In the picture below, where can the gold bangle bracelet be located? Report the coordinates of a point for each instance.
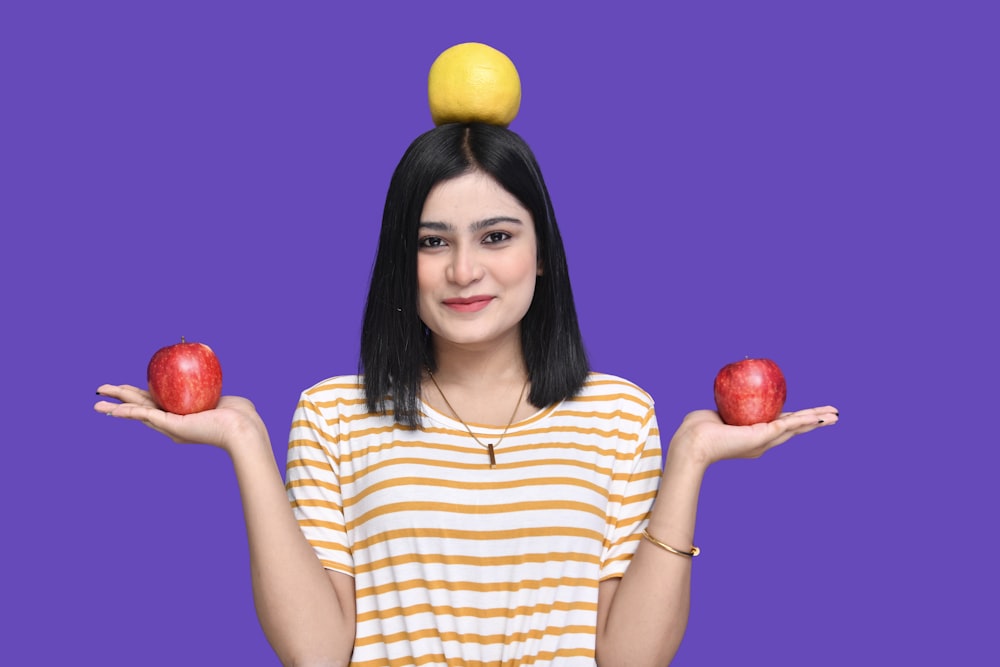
(690, 554)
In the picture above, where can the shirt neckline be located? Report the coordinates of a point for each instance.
(434, 414)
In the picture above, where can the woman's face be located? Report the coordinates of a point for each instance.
(477, 262)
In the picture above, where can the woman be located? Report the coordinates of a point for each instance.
(475, 495)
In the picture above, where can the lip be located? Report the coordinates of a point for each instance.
(470, 304)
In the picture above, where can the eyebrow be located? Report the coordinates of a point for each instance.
(474, 227)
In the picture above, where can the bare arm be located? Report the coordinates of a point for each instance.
(307, 613)
(642, 616)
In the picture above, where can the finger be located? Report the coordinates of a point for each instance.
(132, 411)
(119, 390)
(826, 413)
(156, 419)
(791, 424)
(114, 389)
(126, 393)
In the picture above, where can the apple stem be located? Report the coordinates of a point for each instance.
(182, 339)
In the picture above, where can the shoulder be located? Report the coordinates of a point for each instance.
(617, 407)
(337, 405)
(604, 386)
(337, 394)
(337, 386)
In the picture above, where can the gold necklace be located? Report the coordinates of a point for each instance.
(488, 445)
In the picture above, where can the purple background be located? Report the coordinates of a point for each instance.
(806, 181)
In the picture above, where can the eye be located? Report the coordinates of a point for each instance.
(430, 242)
(496, 237)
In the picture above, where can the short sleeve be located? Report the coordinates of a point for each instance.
(634, 489)
(312, 481)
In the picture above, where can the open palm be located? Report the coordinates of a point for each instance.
(234, 416)
(713, 440)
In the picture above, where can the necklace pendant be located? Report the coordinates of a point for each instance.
(493, 455)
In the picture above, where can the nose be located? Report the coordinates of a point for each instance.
(465, 267)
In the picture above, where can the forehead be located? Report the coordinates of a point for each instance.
(469, 198)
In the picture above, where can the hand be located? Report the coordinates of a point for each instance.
(704, 436)
(233, 420)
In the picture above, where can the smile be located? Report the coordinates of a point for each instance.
(469, 305)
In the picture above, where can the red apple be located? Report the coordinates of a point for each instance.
(185, 378)
(750, 391)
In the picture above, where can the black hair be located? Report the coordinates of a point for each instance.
(395, 344)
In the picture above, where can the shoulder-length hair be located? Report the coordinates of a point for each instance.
(395, 344)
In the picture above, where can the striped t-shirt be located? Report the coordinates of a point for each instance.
(457, 563)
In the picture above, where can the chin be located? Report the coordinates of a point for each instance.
(467, 338)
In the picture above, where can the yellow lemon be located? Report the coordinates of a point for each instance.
(473, 82)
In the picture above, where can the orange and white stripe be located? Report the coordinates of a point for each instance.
(457, 563)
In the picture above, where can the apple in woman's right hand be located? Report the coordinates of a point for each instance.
(185, 378)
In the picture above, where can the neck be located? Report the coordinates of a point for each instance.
(481, 386)
(499, 364)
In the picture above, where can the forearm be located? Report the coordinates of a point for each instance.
(298, 607)
(649, 612)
